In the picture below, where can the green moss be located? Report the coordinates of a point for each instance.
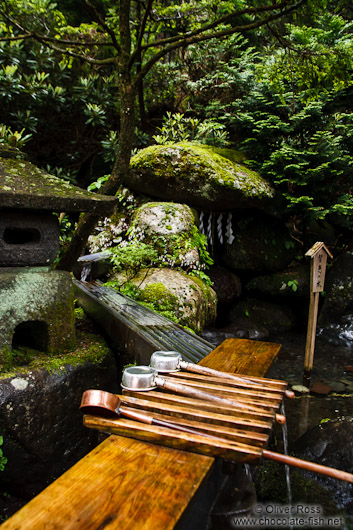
(24, 185)
(157, 297)
(90, 348)
(202, 164)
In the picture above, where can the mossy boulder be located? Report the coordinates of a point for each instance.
(292, 282)
(263, 315)
(169, 227)
(261, 243)
(202, 176)
(177, 295)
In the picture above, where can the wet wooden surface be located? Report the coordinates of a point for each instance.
(126, 484)
(242, 356)
(122, 484)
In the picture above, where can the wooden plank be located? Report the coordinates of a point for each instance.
(121, 484)
(242, 356)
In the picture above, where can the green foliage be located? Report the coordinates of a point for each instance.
(178, 128)
(14, 139)
(155, 296)
(98, 183)
(64, 108)
(132, 257)
(293, 284)
(3, 459)
(202, 275)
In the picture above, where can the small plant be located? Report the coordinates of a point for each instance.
(293, 284)
(202, 275)
(14, 139)
(98, 183)
(179, 128)
(3, 459)
(132, 257)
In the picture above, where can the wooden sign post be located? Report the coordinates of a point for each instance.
(318, 254)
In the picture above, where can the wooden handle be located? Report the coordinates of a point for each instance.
(280, 418)
(187, 390)
(150, 420)
(198, 369)
(308, 466)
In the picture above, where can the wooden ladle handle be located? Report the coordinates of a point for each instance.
(308, 466)
(187, 390)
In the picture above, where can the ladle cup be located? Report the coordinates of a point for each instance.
(172, 361)
(144, 378)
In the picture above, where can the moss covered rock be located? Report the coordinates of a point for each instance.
(292, 282)
(169, 227)
(24, 186)
(199, 175)
(36, 309)
(176, 294)
(262, 314)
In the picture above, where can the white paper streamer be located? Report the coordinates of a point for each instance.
(202, 229)
(209, 228)
(219, 228)
(229, 231)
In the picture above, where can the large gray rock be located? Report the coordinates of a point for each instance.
(169, 228)
(193, 303)
(262, 315)
(202, 176)
(291, 282)
(226, 284)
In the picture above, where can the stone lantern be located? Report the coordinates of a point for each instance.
(36, 301)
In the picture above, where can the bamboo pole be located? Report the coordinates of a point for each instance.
(308, 466)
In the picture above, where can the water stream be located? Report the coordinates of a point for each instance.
(285, 451)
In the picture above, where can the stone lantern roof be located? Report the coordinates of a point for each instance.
(23, 186)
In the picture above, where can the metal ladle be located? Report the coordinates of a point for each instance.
(145, 378)
(172, 361)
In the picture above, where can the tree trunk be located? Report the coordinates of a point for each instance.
(121, 165)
